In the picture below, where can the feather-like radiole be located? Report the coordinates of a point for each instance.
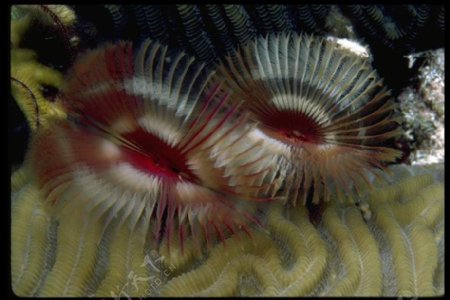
(319, 105)
(393, 26)
(151, 141)
(194, 34)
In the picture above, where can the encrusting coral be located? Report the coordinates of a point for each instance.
(394, 248)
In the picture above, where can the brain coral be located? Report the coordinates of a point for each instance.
(393, 246)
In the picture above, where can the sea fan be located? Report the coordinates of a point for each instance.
(320, 105)
(150, 140)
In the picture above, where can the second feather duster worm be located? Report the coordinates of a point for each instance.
(320, 106)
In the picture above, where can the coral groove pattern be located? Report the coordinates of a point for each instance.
(393, 245)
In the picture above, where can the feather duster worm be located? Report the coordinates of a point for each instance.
(150, 141)
(319, 105)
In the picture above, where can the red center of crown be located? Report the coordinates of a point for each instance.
(157, 157)
(292, 127)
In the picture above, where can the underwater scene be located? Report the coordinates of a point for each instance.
(227, 150)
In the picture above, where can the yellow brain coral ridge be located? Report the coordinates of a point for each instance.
(30, 232)
(18, 28)
(19, 179)
(403, 189)
(63, 13)
(75, 255)
(180, 260)
(397, 251)
(357, 251)
(27, 78)
(125, 258)
(306, 247)
(263, 258)
(414, 254)
(26, 89)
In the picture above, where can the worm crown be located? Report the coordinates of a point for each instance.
(320, 106)
(151, 140)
